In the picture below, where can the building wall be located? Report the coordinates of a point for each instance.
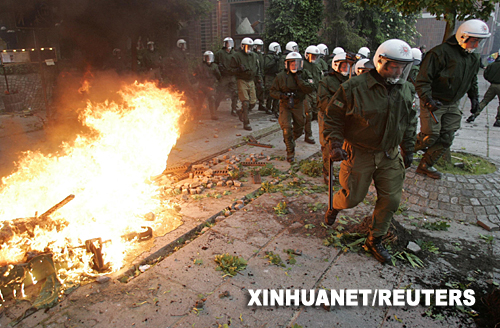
(207, 33)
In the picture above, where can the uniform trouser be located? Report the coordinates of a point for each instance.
(438, 137)
(208, 95)
(259, 91)
(309, 109)
(227, 85)
(356, 175)
(292, 123)
(325, 151)
(271, 103)
(492, 92)
(246, 94)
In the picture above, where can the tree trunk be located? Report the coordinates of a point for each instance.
(450, 26)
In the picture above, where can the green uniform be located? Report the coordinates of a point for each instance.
(492, 75)
(272, 66)
(246, 68)
(372, 119)
(259, 81)
(310, 108)
(207, 77)
(323, 66)
(328, 86)
(291, 118)
(412, 76)
(227, 83)
(446, 74)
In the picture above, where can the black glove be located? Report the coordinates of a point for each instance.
(243, 68)
(298, 76)
(432, 104)
(474, 105)
(336, 151)
(407, 158)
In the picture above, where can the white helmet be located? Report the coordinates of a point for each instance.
(339, 59)
(247, 45)
(293, 57)
(292, 46)
(363, 52)
(181, 43)
(417, 56)
(311, 54)
(208, 57)
(229, 43)
(337, 50)
(258, 45)
(362, 66)
(473, 28)
(323, 49)
(275, 47)
(393, 50)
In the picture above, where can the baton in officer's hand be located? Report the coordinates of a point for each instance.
(433, 105)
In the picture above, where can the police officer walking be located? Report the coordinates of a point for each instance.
(366, 122)
(447, 72)
(258, 48)
(244, 65)
(272, 66)
(327, 88)
(492, 75)
(227, 83)
(290, 87)
(311, 56)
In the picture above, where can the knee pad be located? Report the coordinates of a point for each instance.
(427, 140)
(446, 138)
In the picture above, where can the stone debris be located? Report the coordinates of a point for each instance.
(237, 183)
(413, 247)
(229, 183)
(487, 224)
(102, 279)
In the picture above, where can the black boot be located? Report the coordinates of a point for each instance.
(374, 246)
(331, 216)
(497, 123)
(290, 157)
(310, 140)
(426, 169)
(471, 118)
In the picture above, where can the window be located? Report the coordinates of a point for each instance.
(247, 18)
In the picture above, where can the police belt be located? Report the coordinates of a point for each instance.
(391, 153)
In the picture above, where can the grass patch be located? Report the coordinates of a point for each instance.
(312, 168)
(230, 264)
(468, 164)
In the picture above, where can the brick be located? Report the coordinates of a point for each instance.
(456, 208)
(461, 179)
(479, 210)
(491, 209)
(442, 190)
(486, 224)
(423, 193)
(468, 210)
(479, 186)
(423, 202)
(433, 195)
(485, 201)
(444, 198)
(460, 216)
(464, 201)
(413, 199)
(452, 179)
(474, 201)
(478, 193)
(433, 204)
(444, 206)
(472, 180)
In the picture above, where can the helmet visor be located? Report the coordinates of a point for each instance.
(229, 44)
(394, 71)
(294, 65)
(473, 44)
(208, 58)
(312, 58)
(246, 48)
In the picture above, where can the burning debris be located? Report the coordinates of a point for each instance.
(109, 172)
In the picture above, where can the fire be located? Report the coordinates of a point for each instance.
(109, 174)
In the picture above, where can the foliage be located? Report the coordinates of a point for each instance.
(318, 206)
(352, 25)
(436, 226)
(468, 164)
(312, 168)
(294, 20)
(448, 9)
(274, 259)
(230, 264)
(427, 246)
(414, 260)
(269, 169)
(281, 209)
(489, 239)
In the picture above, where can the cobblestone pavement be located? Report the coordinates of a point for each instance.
(469, 198)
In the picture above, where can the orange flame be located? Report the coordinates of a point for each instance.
(109, 173)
